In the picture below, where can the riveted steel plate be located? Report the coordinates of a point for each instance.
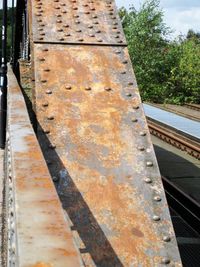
(38, 234)
(93, 131)
(76, 21)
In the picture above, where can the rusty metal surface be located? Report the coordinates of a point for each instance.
(37, 231)
(76, 21)
(93, 132)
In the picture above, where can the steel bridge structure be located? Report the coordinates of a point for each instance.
(81, 183)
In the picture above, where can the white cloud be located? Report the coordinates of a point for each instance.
(179, 15)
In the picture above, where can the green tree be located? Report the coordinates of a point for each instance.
(147, 42)
(166, 71)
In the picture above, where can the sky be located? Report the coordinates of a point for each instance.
(179, 15)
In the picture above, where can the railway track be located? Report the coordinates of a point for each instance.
(174, 138)
(193, 106)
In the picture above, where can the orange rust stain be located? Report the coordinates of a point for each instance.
(42, 264)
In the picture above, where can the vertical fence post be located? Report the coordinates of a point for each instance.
(3, 78)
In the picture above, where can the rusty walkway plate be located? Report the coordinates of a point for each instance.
(38, 235)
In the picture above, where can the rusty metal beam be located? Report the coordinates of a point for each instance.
(93, 133)
(38, 234)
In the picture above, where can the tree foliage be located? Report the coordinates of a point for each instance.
(166, 71)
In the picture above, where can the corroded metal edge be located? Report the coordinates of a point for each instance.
(38, 234)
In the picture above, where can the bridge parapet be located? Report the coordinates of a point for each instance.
(37, 232)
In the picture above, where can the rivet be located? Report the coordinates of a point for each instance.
(88, 88)
(48, 92)
(130, 83)
(134, 120)
(52, 146)
(63, 4)
(46, 131)
(165, 260)
(118, 52)
(66, 25)
(43, 81)
(77, 21)
(166, 238)
(60, 30)
(94, 16)
(40, 38)
(125, 62)
(59, 21)
(45, 49)
(142, 134)
(58, 15)
(64, 11)
(41, 59)
(68, 87)
(157, 198)
(61, 39)
(55, 178)
(148, 180)
(149, 163)
(135, 107)
(91, 35)
(141, 148)
(45, 104)
(128, 94)
(123, 72)
(90, 26)
(78, 30)
(98, 31)
(47, 70)
(119, 41)
(80, 39)
(156, 218)
(67, 34)
(107, 89)
(50, 118)
(96, 22)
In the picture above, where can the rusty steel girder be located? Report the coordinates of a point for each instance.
(71, 21)
(38, 234)
(94, 136)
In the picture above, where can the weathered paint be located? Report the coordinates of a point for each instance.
(93, 133)
(99, 147)
(43, 237)
(93, 22)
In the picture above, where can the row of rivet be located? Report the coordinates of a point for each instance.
(156, 198)
(11, 215)
(41, 33)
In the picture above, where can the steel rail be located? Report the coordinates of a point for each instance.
(176, 139)
(193, 106)
(187, 207)
(38, 233)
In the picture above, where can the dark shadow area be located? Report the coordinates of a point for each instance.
(180, 171)
(91, 234)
